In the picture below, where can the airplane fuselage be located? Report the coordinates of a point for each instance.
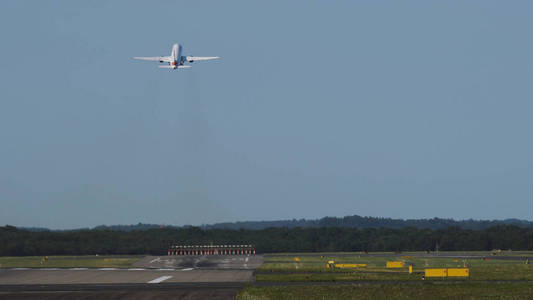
(176, 56)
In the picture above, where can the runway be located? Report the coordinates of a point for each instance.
(117, 276)
(153, 277)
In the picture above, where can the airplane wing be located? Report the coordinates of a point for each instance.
(156, 58)
(198, 58)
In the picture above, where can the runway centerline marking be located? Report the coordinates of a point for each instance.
(160, 279)
(188, 269)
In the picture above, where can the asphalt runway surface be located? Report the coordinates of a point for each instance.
(194, 293)
(98, 276)
(221, 290)
(153, 277)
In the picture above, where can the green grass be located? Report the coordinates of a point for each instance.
(334, 277)
(69, 262)
(389, 291)
(299, 267)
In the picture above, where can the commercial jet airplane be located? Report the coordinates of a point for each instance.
(176, 60)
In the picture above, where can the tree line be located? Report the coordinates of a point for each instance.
(20, 242)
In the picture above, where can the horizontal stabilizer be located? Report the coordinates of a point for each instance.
(172, 67)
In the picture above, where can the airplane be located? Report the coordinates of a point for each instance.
(176, 60)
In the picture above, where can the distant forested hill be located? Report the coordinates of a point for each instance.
(356, 221)
(139, 226)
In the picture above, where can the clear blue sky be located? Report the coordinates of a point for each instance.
(404, 109)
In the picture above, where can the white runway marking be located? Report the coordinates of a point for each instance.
(166, 269)
(49, 269)
(78, 269)
(136, 269)
(20, 269)
(188, 269)
(107, 269)
(160, 279)
(155, 260)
